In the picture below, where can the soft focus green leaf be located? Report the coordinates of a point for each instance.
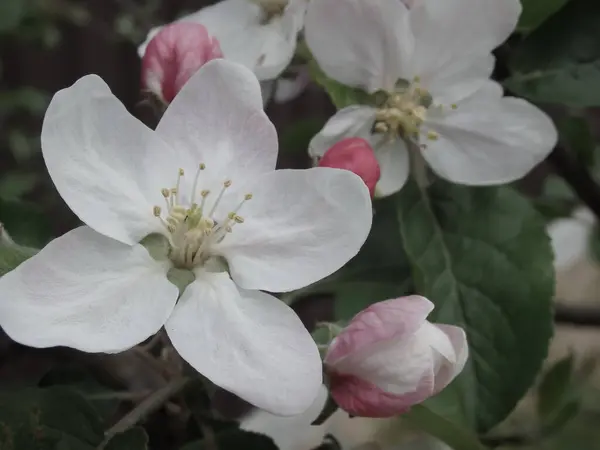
(234, 439)
(535, 12)
(134, 439)
(575, 133)
(558, 399)
(25, 222)
(455, 436)
(13, 186)
(295, 138)
(12, 255)
(11, 14)
(483, 257)
(560, 61)
(47, 419)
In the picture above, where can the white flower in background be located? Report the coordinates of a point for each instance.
(570, 237)
(260, 34)
(204, 180)
(431, 65)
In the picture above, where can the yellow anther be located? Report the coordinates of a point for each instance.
(231, 216)
(227, 183)
(174, 191)
(202, 166)
(165, 192)
(239, 219)
(204, 193)
(181, 172)
(381, 127)
(433, 136)
(417, 79)
(157, 210)
(454, 106)
(248, 197)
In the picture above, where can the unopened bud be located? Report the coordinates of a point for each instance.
(174, 54)
(356, 155)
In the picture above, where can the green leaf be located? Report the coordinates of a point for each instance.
(558, 399)
(341, 95)
(47, 419)
(575, 133)
(560, 61)
(13, 186)
(12, 255)
(295, 138)
(134, 439)
(234, 439)
(536, 12)
(27, 223)
(455, 436)
(483, 257)
(11, 13)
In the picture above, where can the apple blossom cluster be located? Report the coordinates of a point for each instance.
(186, 226)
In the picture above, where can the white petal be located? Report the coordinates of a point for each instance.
(300, 226)
(488, 141)
(570, 238)
(459, 80)
(360, 43)
(353, 121)
(247, 342)
(450, 342)
(288, 89)
(107, 165)
(290, 433)
(88, 292)
(264, 48)
(459, 30)
(395, 166)
(218, 119)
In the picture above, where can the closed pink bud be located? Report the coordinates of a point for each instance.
(176, 52)
(390, 357)
(356, 155)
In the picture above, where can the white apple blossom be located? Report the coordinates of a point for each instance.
(430, 64)
(260, 34)
(570, 237)
(205, 182)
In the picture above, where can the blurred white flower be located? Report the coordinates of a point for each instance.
(205, 182)
(570, 237)
(260, 34)
(430, 65)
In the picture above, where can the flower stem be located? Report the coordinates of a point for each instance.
(149, 405)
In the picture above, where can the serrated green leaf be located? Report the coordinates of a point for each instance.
(47, 419)
(457, 437)
(134, 439)
(483, 257)
(536, 12)
(560, 61)
(234, 439)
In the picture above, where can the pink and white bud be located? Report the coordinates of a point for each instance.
(356, 155)
(390, 357)
(172, 56)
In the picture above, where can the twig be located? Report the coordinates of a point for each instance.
(577, 315)
(577, 176)
(149, 405)
(119, 395)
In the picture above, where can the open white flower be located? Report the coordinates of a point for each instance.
(260, 34)
(570, 237)
(204, 180)
(431, 65)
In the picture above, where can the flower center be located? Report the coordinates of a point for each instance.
(192, 227)
(271, 8)
(403, 111)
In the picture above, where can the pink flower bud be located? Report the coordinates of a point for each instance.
(176, 52)
(356, 155)
(390, 357)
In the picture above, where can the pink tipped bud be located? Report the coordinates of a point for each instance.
(176, 52)
(390, 357)
(356, 155)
